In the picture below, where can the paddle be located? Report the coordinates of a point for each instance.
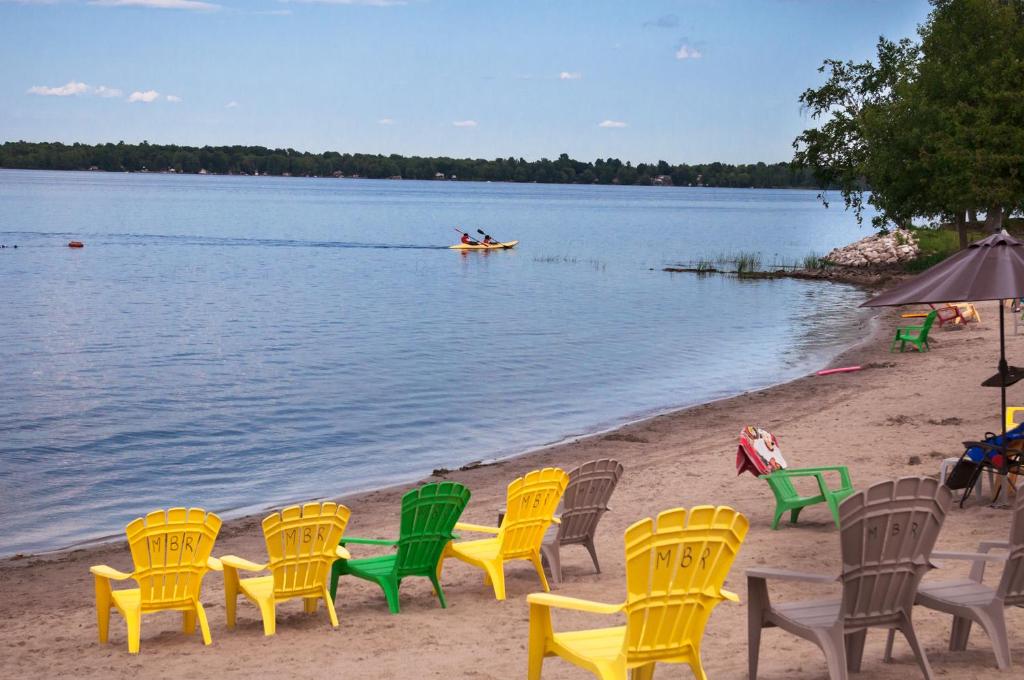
(472, 241)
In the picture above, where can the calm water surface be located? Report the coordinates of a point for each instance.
(237, 343)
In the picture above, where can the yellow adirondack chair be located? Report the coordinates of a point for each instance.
(171, 553)
(302, 544)
(675, 568)
(532, 501)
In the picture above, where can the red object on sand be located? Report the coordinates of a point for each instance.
(845, 369)
(75, 244)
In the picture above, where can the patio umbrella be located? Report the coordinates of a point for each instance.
(989, 269)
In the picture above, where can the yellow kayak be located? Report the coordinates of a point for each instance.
(479, 246)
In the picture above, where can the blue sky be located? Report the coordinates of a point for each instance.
(684, 81)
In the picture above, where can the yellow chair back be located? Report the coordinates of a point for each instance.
(301, 544)
(170, 549)
(675, 568)
(530, 509)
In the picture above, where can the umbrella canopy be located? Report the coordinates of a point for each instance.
(989, 269)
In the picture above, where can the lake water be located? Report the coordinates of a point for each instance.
(240, 342)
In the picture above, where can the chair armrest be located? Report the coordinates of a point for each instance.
(574, 603)
(342, 553)
(729, 595)
(465, 526)
(973, 557)
(366, 541)
(786, 575)
(236, 562)
(108, 572)
(214, 564)
(985, 546)
(556, 520)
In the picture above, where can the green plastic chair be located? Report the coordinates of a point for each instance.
(788, 499)
(429, 514)
(915, 335)
(759, 454)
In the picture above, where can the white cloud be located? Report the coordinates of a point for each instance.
(72, 88)
(464, 123)
(687, 52)
(192, 5)
(612, 124)
(570, 75)
(231, 105)
(173, 98)
(386, 121)
(147, 97)
(104, 91)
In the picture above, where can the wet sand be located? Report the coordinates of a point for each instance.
(900, 416)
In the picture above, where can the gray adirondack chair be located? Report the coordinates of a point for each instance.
(886, 539)
(969, 600)
(584, 503)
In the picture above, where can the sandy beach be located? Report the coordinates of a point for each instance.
(902, 408)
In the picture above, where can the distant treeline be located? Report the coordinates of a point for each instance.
(250, 160)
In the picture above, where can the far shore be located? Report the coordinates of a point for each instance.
(900, 415)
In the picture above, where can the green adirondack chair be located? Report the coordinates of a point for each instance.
(915, 335)
(788, 499)
(429, 514)
(759, 454)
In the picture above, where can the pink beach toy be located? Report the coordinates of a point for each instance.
(845, 369)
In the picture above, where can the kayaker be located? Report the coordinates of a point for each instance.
(488, 240)
(466, 240)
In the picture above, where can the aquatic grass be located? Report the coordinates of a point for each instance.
(598, 265)
(747, 263)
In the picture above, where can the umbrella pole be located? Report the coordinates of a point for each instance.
(1003, 368)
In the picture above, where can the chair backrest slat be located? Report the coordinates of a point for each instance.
(676, 565)
(429, 514)
(170, 549)
(586, 499)
(887, 536)
(301, 545)
(531, 504)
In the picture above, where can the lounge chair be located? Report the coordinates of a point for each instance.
(971, 601)
(171, 553)
(676, 566)
(530, 510)
(759, 454)
(429, 514)
(302, 543)
(584, 503)
(993, 455)
(887, 536)
(916, 336)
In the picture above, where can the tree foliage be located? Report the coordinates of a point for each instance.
(934, 128)
(249, 160)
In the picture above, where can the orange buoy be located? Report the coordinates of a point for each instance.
(75, 244)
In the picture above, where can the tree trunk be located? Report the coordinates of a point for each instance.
(972, 217)
(961, 228)
(994, 219)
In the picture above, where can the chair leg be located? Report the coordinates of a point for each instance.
(794, 514)
(335, 575)
(855, 650)
(494, 574)
(993, 620)
(757, 597)
(329, 603)
(309, 604)
(890, 638)
(438, 591)
(832, 642)
(204, 625)
(188, 622)
(133, 620)
(551, 553)
(103, 602)
(960, 634)
(922, 660)
(778, 516)
(589, 545)
(540, 572)
(390, 588)
(269, 615)
(647, 672)
(540, 633)
(230, 595)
